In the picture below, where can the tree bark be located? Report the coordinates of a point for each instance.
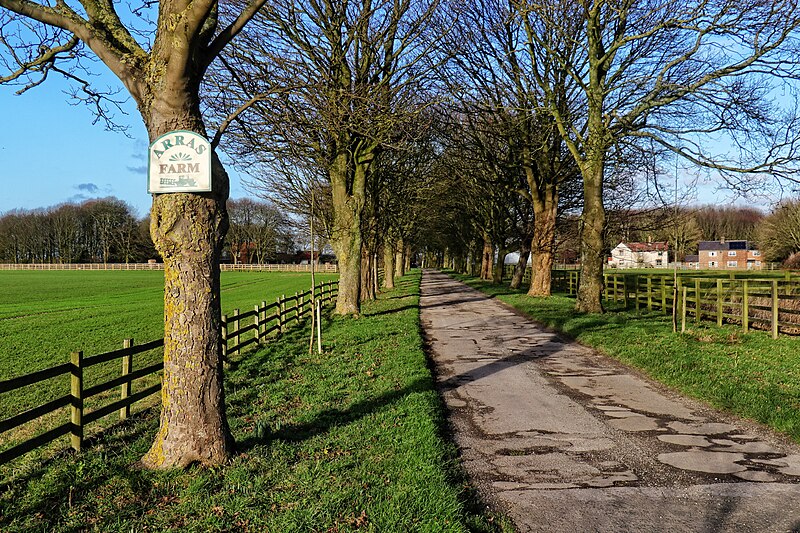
(399, 259)
(545, 209)
(487, 258)
(188, 231)
(388, 265)
(407, 257)
(590, 288)
(348, 205)
(367, 272)
(521, 266)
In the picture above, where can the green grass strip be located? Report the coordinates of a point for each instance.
(750, 375)
(348, 440)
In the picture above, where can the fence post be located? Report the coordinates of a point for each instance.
(649, 293)
(236, 329)
(296, 307)
(664, 294)
(683, 309)
(697, 313)
(224, 338)
(775, 302)
(279, 315)
(261, 333)
(125, 388)
(76, 415)
(625, 290)
(636, 292)
(257, 334)
(745, 307)
(282, 302)
(719, 302)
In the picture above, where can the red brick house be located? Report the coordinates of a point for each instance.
(728, 255)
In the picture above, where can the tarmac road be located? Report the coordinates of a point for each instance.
(562, 438)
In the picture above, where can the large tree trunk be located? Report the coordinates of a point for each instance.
(590, 288)
(545, 209)
(188, 230)
(367, 273)
(388, 265)
(399, 259)
(407, 257)
(521, 266)
(348, 206)
(487, 258)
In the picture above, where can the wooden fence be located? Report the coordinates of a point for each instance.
(771, 304)
(242, 267)
(233, 329)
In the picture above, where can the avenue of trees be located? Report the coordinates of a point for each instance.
(450, 131)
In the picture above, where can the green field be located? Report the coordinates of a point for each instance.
(46, 315)
(350, 440)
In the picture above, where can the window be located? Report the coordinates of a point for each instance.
(756, 253)
(660, 254)
(758, 263)
(712, 264)
(733, 264)
(731, 253)
(712, 254)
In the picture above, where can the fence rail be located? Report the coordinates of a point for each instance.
(242, 267)
(771, 304)
(234, 328)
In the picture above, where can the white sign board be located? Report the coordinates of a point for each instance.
(180, 161)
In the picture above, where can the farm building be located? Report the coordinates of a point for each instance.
(727, 255)
(639, 255)
(692, 262)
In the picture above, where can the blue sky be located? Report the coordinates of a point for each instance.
(51, 153)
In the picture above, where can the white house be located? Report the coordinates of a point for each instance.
(639, 255)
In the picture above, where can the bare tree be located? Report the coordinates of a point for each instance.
(494, 77)
(160, 59)
(674, 72)
(354, 73)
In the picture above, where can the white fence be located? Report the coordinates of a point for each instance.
(242, 267)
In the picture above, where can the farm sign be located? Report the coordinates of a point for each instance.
(180, 161)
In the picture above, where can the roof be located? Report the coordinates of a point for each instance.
(646, 246)
(723, 245)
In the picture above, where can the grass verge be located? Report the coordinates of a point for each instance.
(343, 441)
(750, 374)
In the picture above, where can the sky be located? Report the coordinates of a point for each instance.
(50, 152)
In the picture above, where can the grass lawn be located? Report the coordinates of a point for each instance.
(750, 374)
(46, 315)
(343, 441)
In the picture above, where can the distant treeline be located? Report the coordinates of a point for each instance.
(106, 230)
(95, 231)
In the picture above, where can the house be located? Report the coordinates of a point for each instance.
(726, 255)
(692, 262)
(639, 255)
